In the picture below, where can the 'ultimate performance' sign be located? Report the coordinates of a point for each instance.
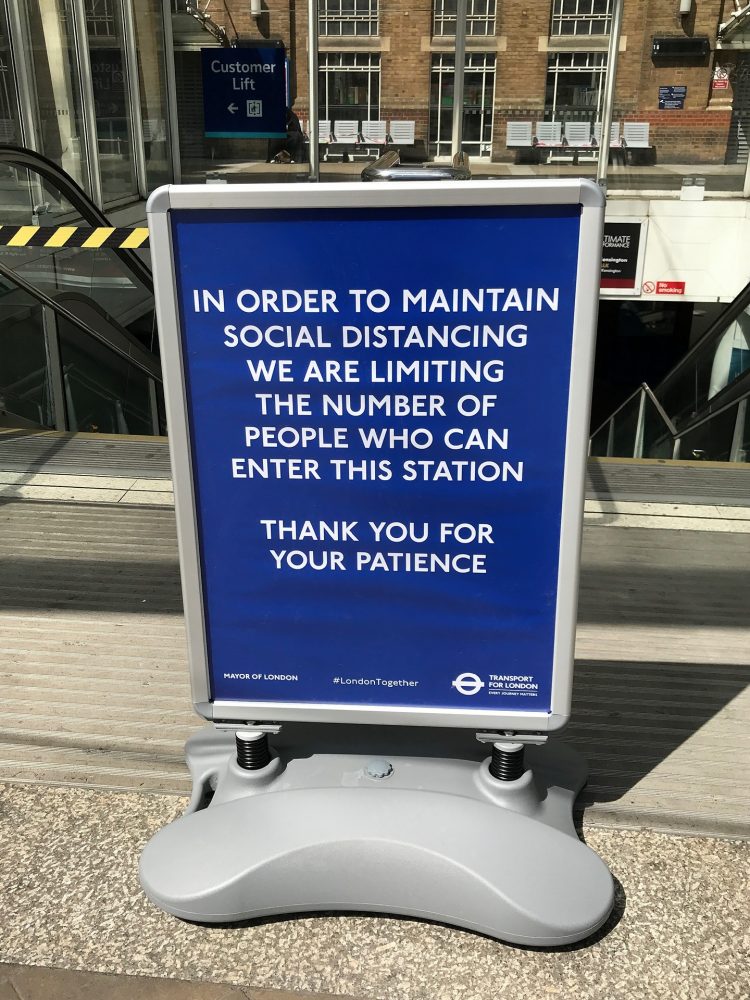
(378, 401)
(620, 247)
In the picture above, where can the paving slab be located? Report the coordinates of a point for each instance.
(34, 982)
(95, 680)
(25, 982)
(70, 899)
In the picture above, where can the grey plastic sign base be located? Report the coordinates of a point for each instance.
(435, 837)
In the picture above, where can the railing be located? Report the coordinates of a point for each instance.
(35, 163)
(698, 409)
(204, 12)
(113, 413)
(639, 428)
(88, 314)
(720, 436)
(96, 374)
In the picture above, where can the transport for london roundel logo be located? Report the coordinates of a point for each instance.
(468, 684)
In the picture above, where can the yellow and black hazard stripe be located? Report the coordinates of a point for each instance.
(74, 236)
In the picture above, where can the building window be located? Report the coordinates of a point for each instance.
(581, 17)
(479, 87)
(575, 83)
(349, 17)
(100, 18)
(480, 17)
(8, 123)
(349, 85)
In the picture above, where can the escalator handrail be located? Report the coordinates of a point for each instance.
(738, 305)
(718, 405)
(60, 310)
(29, 159)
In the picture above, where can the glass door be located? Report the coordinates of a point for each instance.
(111, 97)
(50, 45)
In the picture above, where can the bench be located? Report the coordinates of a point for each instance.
(341, 140)
(373, 135)
(635, 141)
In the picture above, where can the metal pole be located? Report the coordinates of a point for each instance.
(172, 119)
(90, 127)
(458, 79)
(153, 406)
(54, 367)
(739, 433)
(22, 64)
(639, 427)
(609, 92)
(20, 50)
(136, 117)
(746, 185)
(312, 88)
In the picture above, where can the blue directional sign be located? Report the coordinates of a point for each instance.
(244, 93)
(672, 98)
(379, 489)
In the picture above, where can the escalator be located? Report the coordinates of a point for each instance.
(78, 341)
(700, 410)
(79, 347)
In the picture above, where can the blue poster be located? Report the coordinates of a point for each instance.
(244, 93)
(672, 98)
(377, 405)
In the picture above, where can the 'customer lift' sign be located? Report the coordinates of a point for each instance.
(378, 405)
(244, 93)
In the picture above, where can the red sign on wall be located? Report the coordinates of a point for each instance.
(670, 287)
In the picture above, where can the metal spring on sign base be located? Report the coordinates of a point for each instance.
(507, 764)
(253, 751)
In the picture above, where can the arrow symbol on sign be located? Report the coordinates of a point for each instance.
(232, 108)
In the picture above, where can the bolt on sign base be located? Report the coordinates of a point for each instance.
(434, 838)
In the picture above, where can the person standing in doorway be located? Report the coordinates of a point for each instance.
(295, 141)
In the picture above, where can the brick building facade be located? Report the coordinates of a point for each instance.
(531, 63)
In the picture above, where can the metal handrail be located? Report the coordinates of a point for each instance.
(643, 387)
(59, 309)
(71, 371)
(660, 409)
(642, 393)
(738, 305)
(28, 159)
(389, 168)
(704, 417)
(740, 395)
(613, 414)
